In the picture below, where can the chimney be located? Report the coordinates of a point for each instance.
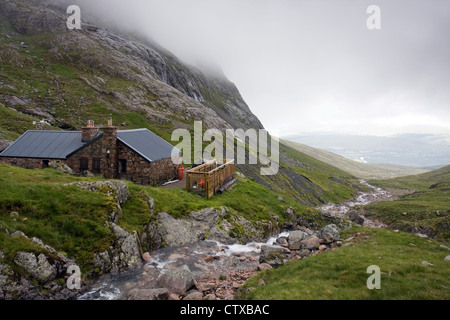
(88, 132)
(109, 150)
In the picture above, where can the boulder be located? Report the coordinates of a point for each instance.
(126, 248)
(447, 258)
(264, 266)
(251, 232)
(423, 230)
(273, 255)
(39, 268)
(62, 167)
(194, 295)
(146, 257)
(295, 238)
(178, 281)
(205, 286)
(330, 233)
(353, 216)
(310, 243)
(303, 253)
(174, 297)
(282, 241)
(18, 234)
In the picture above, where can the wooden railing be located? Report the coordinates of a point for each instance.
(208, 178)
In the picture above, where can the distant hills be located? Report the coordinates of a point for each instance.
(358, 169)
(427, 151)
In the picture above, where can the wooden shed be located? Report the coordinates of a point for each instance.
(210, 178)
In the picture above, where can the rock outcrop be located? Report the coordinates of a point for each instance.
(161, 78)
(123, 254)
(117, 189)
(38, 267)
(300, 244)
(49, 269)
(273, 255)
(330, 233)
(62, 167)
(209, 223)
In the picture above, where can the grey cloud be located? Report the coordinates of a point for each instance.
(314, 62)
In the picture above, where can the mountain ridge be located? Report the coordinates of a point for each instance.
(156, 79)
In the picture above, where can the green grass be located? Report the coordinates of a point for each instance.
(67, 218)
(247, 198)
(72, 220)
(338, 185)
(12, 122)
(428, 208)
(341, 274)
(428, 205)
(418, 182)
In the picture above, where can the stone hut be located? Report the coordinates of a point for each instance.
(137, 155)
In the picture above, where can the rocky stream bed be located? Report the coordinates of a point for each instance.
(211, 270)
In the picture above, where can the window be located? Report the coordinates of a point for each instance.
(84, 164)
(45, 164)
(122, 166)
(96, 165)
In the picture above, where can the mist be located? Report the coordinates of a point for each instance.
(310, 66)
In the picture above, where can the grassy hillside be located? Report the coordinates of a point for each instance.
(72, 220)
(65, 217)
(419, 182)
(305, 179)
(425, 210)
(341, 274)
(358, 169)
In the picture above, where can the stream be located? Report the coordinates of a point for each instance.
(208, 259)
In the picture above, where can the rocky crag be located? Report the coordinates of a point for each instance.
(120, 73)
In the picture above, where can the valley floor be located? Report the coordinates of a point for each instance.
(412, 267)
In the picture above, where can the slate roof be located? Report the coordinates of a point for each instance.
(145, 143)
(46, 144)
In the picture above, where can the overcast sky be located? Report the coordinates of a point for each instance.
(313, 65)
